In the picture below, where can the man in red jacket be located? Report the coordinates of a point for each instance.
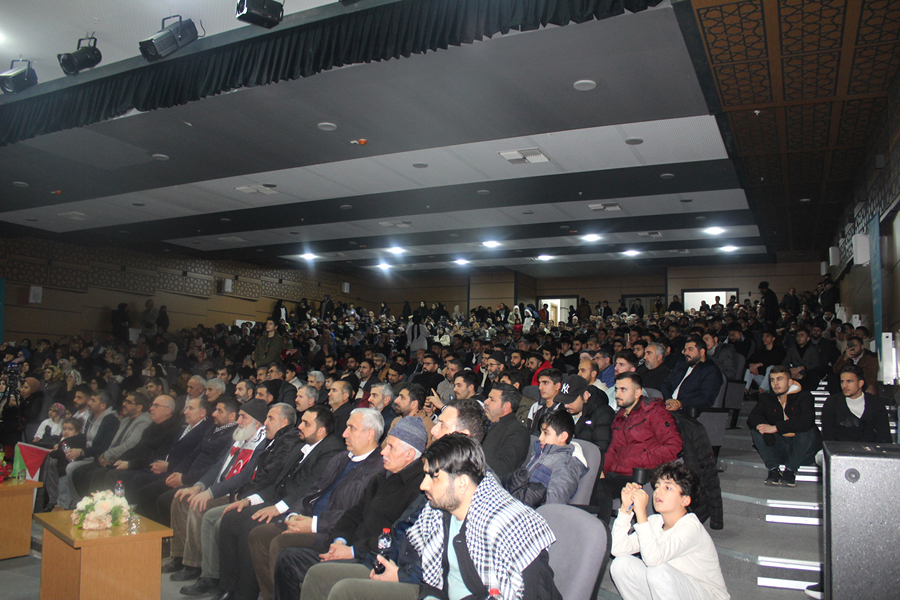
(644, 436)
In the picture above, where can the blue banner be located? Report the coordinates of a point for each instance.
(875, 268)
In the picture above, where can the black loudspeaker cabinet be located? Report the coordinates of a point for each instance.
(862, 521)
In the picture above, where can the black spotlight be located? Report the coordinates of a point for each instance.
(84, 57)
(18, 78)
(266, 13)
(169, 39)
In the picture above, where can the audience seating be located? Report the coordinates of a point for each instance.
(579, 556)
(734, 393)
(586, 483)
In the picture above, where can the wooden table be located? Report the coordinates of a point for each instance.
(100, 565)
(16, 507)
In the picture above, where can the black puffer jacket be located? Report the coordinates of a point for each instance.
(697, 454)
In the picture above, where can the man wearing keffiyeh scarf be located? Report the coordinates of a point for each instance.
(501, 543)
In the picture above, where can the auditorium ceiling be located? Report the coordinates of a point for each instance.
(716, 132)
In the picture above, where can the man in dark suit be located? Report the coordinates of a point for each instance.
(303, 467)
(696, 382)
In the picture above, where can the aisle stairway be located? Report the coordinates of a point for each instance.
(771, 546)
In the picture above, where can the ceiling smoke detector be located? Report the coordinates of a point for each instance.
(611, 206)
(526, 156)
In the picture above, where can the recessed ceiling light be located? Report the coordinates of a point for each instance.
(461, 261)
(259, 249)
(31, 220)
(729, 248)
(686, 200)
(805, 200)
(700, 218)
(225, 220)
(563, 226)
(270, 185)
(591, 237)
(352, 243)
(308, 256)
(634, 141)
(138, 204)
(326, 126)
(384, 266)
(483, 192)
(20, 184)
(454, 235)
(528, 212)
(420, 165)
(544, 257)
(667, 176)
(159, 157)
(396, 250)
(346, 206)
(584, 85)
(491, 244)
(713, 230)
(631, 252)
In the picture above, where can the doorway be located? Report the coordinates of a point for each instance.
(693, 298)
(558, 308)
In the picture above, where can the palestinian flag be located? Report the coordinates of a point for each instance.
(30, 458)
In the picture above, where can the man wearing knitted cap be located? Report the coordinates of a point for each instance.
(385, 498)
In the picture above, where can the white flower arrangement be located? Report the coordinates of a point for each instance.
(100, 510)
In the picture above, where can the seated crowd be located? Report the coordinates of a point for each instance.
(275, 449)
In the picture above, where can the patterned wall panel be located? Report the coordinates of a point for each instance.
(857, 119)
(31, 247)
(139, 260)
(107, 278)
(874, 68)
(246, 289)
(879, 22)
(806, 166)
(2, 248)
(139, 282)
(811, 25)
(198, 287)
(170, 282)
(27, 272)
(808, 125)
(764, 170)
(755, 133)
(811, 75)
(199, 266)
(734, 32)
(744, 83)
(845, 163)
(269, 288)
(69, 278)
(71, 253)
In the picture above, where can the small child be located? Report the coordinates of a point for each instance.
(678, 558)
(553, 473)
(50, 429)
(72, 438)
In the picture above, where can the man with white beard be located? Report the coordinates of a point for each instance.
(213, 490)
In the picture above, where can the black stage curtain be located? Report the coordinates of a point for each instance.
(289, 52)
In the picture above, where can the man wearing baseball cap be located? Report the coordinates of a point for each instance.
(593, 419)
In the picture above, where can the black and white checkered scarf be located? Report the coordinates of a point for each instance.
(503, 537)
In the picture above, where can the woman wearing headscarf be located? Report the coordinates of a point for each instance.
(32, 401)
(406, 312)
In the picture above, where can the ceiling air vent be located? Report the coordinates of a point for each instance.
(526, 156)
(74, 215)
(679, 251)
(252, 189)
(233, 239)
(604, 206)
(650, 234)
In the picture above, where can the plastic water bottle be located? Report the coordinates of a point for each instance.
(64, 447)
(384, 544)
(119, 490)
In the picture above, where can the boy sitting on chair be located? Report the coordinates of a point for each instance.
(678, 558)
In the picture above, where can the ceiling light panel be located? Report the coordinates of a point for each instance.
(719, 200)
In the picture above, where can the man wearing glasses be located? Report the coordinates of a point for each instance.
(430, 377)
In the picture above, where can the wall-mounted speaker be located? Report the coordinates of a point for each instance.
(861, 249)
(834, 256)
(35, 294)
(345, 287)
(228, 286)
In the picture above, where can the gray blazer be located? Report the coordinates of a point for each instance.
(127, 437)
